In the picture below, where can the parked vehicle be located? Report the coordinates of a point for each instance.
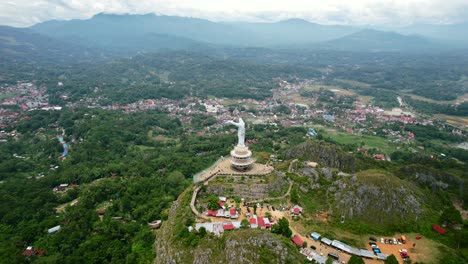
(313, 247)
(403, 239)
(390, 242)
(373, 239)
(386, 241)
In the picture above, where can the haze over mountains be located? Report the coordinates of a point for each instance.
(131, 34)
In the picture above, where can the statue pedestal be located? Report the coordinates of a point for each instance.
(241, 158)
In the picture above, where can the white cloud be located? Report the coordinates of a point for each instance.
(378, 12)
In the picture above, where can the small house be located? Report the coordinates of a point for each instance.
(297, 241)
(315, 236)
(228, 226)
(296, 210)
(233, 213)
(29, 251)
(54, 229)
(61, 188)
(253, 222)
(155, 224)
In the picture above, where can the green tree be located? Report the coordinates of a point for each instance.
(202, 231)
(244, 223)
(213, 202)
(355, 260)
(282, 228)
(451, 216)
(391, 260)
(175, 179)
(329, 261)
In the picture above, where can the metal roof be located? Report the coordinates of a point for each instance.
(326, 240)
(367, 253)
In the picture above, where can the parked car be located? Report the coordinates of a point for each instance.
(313, 247)
(382, 240)
(372, 244)
(394, 241)
(386, 241)
(399, 241)
(390, 242)
(373, 239)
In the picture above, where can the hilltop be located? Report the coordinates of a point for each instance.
(174, 243)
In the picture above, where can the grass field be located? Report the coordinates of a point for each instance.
(6, 96)
(382, 144)
(457, 121)
(337, 90)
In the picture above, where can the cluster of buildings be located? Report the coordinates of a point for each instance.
(23, 96)
(218, 228)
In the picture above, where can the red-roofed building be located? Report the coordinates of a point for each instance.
(439, 229)
(261, 223)
(221, 204)
(233, 213)
(379, 157)
(228, 226)
(211, 213)
(296, 210)
(253, 222)
(297, 241)
(29, 251)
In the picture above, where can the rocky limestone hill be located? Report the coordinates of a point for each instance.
(174, 244)
(377, 196)
(324, 153)
(372, 196)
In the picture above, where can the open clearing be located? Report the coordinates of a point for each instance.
(379, 143)
(458, 121)
(337, 90)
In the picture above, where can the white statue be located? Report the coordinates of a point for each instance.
(240, 131)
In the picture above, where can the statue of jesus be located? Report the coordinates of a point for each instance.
(240, 131)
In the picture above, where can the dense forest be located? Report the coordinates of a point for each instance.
(115, 164)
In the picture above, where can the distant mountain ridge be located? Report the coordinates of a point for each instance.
(22, 44)
(110, 34)
(381, 41)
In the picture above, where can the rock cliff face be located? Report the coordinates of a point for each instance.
(325, 154)
(376, 196)
(234, 247)
(371, 196)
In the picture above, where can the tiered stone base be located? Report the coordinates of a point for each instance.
(241, 158)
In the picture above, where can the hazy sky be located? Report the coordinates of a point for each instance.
(371, 12)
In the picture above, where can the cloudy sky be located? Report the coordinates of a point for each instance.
(354, 12)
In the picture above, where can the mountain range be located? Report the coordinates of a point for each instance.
(112, 34)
